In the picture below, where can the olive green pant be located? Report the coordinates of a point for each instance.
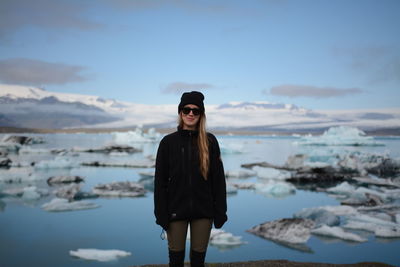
(200, 230)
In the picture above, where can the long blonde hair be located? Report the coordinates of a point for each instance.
(202, 144)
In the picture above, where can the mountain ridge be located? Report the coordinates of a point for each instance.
(24, 106)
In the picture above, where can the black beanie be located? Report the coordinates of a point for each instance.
(194, 97)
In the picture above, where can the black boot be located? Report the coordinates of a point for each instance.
(176, 258)
(197, 258)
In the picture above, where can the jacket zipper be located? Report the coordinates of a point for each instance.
(190, 172)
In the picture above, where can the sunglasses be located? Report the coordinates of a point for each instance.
(195, 111)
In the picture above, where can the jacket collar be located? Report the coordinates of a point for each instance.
(187, 132)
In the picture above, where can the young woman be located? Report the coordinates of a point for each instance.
(190, 184)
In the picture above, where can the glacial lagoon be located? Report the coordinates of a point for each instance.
(32, 236)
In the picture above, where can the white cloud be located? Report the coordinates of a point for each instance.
(377, 63)
(180, 87)
(49, 14)
(311, 91)
(36, 72)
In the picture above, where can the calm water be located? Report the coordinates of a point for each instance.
(30, 236)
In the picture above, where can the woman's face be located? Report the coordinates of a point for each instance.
(190, 120)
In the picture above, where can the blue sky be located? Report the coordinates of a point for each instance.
(317, 54)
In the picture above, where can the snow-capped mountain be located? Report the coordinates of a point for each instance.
(30, 107)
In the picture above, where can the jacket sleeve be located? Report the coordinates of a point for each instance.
(161, 186)
(218, 184)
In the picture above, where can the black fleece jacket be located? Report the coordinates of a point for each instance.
(180, 191)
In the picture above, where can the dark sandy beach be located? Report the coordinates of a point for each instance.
(282, 263)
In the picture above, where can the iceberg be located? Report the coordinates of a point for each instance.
(359, 195)
(340, 210)
(319, 215)
(340, 136)
(68, 192)
(17, 175)
(57, 163)
(240, 173)
(378, 230)
(271, 173)
(224, 240)
(64, 179)
(285, 230)
(22, 140)
(231, 148)
(123, 164)
(147, 174)
(110, 149)
(120, 189)
(99, 254)
(136, 136)
(60, 204)
(275, 189)
(5, 162)
(27, 193)
(249, 185)
(338, 233)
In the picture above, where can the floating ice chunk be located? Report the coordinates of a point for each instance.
(359, 193)
(22, 140)
(231, 190)
(64, 179)
(285, 230)
(124, 164)
(340, 210)
(120, 189)
(60, 204)
(242, 173)
(343, 188)
(393, 232)
(379, 182)
(5, 162)
(26, 193)
(30, 150)
(68, 192)
(271, 173)
(340, 136)
(275, 189)
(224, 240)
(137, 136)
(147, 174)
(17, 175)
(99, 254)
(57, 163)
(356, 225)
(379, 230)
(33, 193)
(338, 233)
(319, 215)
(110, 149)
(231, 148)
(10, 147)
(374, 220)
(243, 185)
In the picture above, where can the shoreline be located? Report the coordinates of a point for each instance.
(280, 263)
(16, 130)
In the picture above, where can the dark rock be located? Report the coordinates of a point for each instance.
(387, 168)
(64, 179)
(5, 163)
